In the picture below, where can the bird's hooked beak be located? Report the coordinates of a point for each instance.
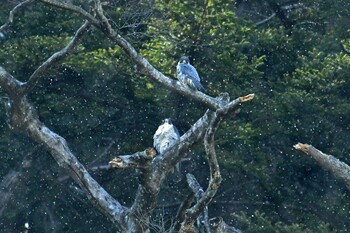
(183, 61)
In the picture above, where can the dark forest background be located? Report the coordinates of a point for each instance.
(294, 55)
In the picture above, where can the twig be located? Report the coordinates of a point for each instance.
(107, 27)
(42, 69)
(13, 12)
(265, 20)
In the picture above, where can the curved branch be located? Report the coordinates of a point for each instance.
(9, 83)
(287, 23)
(86, 15)
(140, 61)
(42, 69)
(181, 213)
(328, 162)
(197, 132)
(13, 12)
(59, 149)
(202, 218)
(215, 176)
(157, 76)
(265, 20)
(152, 178)
(104, 21)
(24, 119)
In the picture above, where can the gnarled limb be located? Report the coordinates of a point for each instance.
(202, 219)
(218, 225)
(13, 12)
(9, 83)
(103, 24)
(67, 6)
(215, 177)
(328, 162)
(64, 157)
(152, 178)
(181, 213)
(23, 118)
(135, 219)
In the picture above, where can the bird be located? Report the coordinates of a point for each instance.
(165, 136)
(188, 75)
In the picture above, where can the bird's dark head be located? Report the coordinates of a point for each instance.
(184, 60)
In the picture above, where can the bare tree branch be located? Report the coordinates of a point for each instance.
(107, 27)
(152, 178)
(23, 118)
(202, 219)
(13, 12)
(9, 83)
(328, 162)
(136, 160)
(137, 218)
(287, 23)
(215, 177)
(66, 6)
(181, 213)
(43, 68)
(265, 20)
(219, 226)
(140, 61)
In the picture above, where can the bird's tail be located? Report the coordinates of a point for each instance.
(196, 85)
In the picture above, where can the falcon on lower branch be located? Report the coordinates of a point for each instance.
(188, 75)
(166, 136)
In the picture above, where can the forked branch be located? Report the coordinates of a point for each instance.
(43, 68)
(215, 177)
(136, 218)
(10, 19)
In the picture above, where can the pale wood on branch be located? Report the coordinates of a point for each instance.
(328, 162)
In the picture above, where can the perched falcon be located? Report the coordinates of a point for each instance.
(166, 136)
(188, 75)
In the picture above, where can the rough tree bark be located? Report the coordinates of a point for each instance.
(23, 118)
(328, 162)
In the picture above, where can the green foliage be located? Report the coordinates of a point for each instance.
(258, 222)
(22, 56)
(104, 106)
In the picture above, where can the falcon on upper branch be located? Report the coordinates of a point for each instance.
(165, 136)
(188, 75)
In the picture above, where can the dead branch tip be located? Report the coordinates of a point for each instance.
(246, 98)
(302, 147)
(116, 162)
(151, 152)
